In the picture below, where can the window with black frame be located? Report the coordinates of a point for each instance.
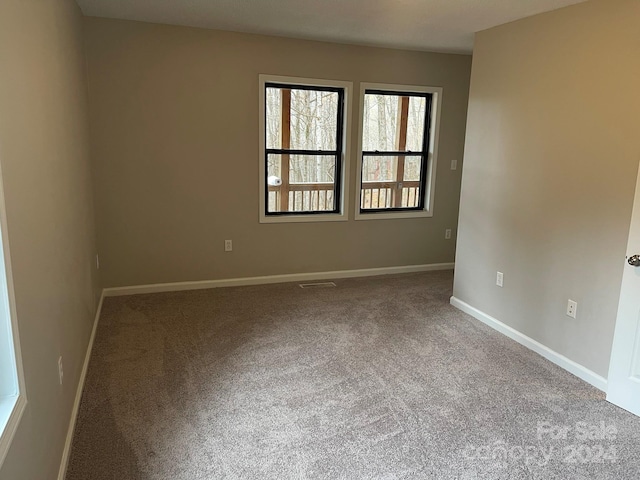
(303, 148)
(395, 150)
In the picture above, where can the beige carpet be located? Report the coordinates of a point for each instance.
(375, 378)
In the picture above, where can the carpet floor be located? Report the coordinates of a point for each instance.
(377, 378)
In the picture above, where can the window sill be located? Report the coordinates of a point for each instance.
(11, 410)
(393, 215)
(330, 217)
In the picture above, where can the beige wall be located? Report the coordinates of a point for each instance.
(174, 116)
(551, 155)
(45, 162)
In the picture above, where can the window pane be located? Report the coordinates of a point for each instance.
(7, 364)
(311, 183)
(385, 129)
(273, 167)
(312, 168)
(313, 118)
(378, 168)
(412, 169)
(380, 185)
(380, 118)
(273, 124)
(415, 123)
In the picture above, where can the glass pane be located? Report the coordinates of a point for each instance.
(415, 123)
(379, 169)
(412, 169)
(312, 169)
(313, 119)
(380, 188)
(385, 129)
(273, 168)
(311, 183)
(380, 119)
(314, 116)
(273, 120)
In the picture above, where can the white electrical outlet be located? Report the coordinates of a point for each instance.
(447, 234)
(454, 164)
(500, 279)
(572, 308)
(228, 246)
(60, 370)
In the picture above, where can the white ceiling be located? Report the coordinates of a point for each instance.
(435, 25)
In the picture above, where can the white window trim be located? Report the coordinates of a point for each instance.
(343, 214)
(11, 407)
(434, 136)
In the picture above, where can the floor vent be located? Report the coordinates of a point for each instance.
(318, 285)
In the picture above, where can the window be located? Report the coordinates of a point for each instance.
(397, 151)
(12, 398)
(303, 149)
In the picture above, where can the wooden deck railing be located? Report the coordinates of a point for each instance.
(383, 195)
(305, 197)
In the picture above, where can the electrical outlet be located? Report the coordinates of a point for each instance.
(454, 164)
(97, 262)
(228, 246)
(60, 370)
(500, 279)
(447, 234)
(572, 308)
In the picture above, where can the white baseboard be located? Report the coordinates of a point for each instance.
(76, 404)
(560, 360)
(294, 277)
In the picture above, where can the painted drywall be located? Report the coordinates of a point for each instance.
(44, 150)
(174, 118)
(551, 156)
